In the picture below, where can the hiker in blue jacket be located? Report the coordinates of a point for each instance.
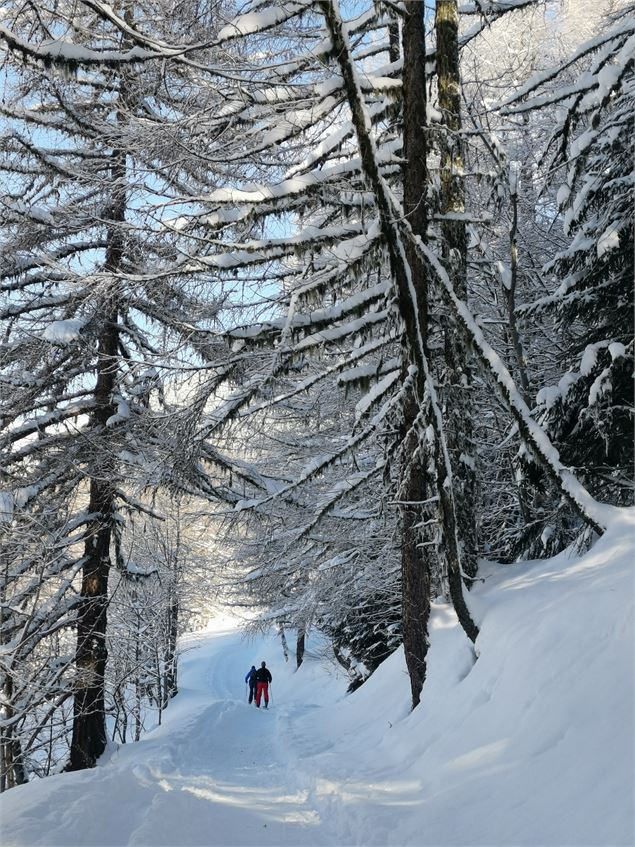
(251, 679)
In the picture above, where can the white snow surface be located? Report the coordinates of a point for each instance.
(532, 744)
(609, 240)
(63, 332)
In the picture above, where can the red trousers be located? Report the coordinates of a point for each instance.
(262, 688)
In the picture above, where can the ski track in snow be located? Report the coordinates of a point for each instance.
(220, 775)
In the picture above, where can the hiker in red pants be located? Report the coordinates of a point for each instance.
(263, 678)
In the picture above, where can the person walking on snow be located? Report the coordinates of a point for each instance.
(251, 679)
(263, 678)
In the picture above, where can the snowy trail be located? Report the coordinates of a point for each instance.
(532, 744)
(215, 773)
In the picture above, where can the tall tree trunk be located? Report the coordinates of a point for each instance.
(299, 646)
(415, 566)
(409, 274)
(510, 293)
(414, 489)
(410, 280)
(283, 640)
(137, 679)
(89, 725)
(12, 770)
(89, 729)
(457, 375)
(170, 684)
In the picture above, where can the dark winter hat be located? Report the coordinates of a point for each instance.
(262, 664)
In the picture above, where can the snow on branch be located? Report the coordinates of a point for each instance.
(594, 513)
(395, 225)
(620, 35)
(317, 318)
(487, 8)
(300, 184)
(320, 463)
(67, 54)
(70, 56)
(257, 22)
(347, 374)
(343, 488)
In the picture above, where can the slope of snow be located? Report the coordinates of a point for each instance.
(531, 744)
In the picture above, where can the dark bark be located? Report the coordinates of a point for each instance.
(170, 683)
(410, 280)
(283, 640)
(415, 566)
(394, 51)
(457, 372)
(510, 292)
(12, 770)
(415, 173)
(89, 727)
(299, 646)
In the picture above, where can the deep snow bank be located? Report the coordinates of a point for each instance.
(532, 744)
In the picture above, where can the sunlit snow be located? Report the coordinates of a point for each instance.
(531, 744)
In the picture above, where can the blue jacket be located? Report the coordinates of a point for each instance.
(251, 676)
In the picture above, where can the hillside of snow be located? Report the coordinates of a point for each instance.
(531, 744)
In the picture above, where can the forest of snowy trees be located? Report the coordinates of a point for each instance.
(307, 305)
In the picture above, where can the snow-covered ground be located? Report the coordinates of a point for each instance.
(532, 744)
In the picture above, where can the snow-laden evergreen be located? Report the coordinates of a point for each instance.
(589, 410)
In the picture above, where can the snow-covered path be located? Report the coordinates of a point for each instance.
(216, 772)
(532, 744)
(227, 770)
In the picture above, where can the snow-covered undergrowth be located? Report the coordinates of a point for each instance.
(532, 744)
